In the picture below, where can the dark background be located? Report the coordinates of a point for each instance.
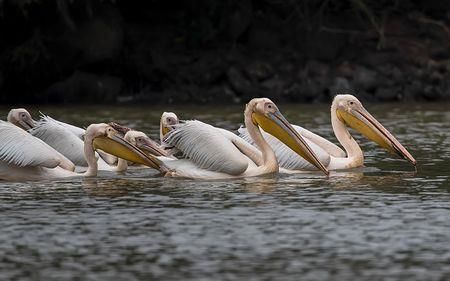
(211, 51)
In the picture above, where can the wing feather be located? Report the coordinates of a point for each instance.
(287, 158)
(253, 153)
(61, 139)
(19, 148)
(207, 147)
(79, 132)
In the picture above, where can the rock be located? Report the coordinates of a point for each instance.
(340, 83)
(92, 40)
(431, 93)
(263, 38)
(440, 53)
(85, 87)
(258, 71)
(292, 92)
(365, 78)
(307, 91)
(322, 45)
(171, 96)
(239, 19)
(388, 94)
(436, 77)
(274, 86)
(287, 67)
(1, 80)
(374, 59)
(434, 6)
(345, 70)
(396, 74)
(445, 90)
(316, 68)
(413, 90)
(238, 82)
(208, 69)
(222, 95)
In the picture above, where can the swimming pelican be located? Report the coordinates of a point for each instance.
(214, 153)
(24, 157)
(346, 110)
(21, 118)
(167, 121)
(138, 139)
(64, 138)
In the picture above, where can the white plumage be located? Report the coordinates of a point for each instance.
(19, 148)
(23, 156)
(66, 139)
(61, 138)
(287, 158)
(78, 132)
(351, 114)
(215, 153)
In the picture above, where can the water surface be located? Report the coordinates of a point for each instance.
(380, 222)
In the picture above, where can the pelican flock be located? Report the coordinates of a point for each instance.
(346, 111)
(24, 157)
(49, 149)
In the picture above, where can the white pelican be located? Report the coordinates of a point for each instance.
(24, 157)
(138, 139)
(21, 118)
(346, 110)
(64, 138)
(213, 153)
(167, 121)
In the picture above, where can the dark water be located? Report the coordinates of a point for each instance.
(383, 222)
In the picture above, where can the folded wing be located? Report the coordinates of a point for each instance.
(19, 148)
(61, 138)
(207, 147)
(79, 132)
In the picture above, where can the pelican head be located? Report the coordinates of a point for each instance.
(21, 118)
(135, 137)
(106, 138)
(168, 119)
(143, 142)
(266, 115)
(351, 112)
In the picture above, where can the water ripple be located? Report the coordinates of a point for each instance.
(381, 222)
